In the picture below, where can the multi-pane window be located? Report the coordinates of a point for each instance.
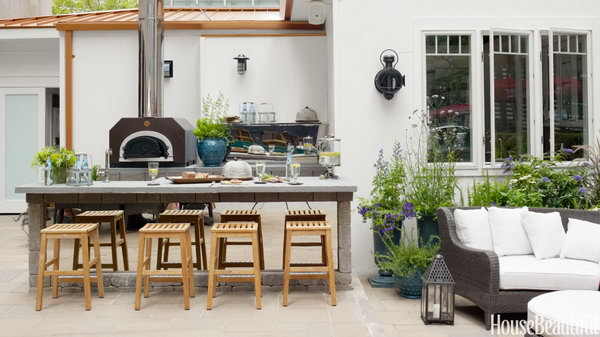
(507, 103)
(566, 95)
(448, 72)
(222, 3)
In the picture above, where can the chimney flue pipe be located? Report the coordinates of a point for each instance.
(151, 17)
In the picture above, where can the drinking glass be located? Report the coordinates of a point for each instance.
(271, 149)
(295, 172)
(153, 173)
(261, 168)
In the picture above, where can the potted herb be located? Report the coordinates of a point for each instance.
(408, 260)
(212, 131)
(61, 159)
(385, 209)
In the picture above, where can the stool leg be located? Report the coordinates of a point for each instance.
(140, 271)
(159, 254)
(185, 277)
(98, 265)
(211, 271)
(197, 226)
(76, 244)
(166, 252)
(222, 253)
(124, 251)
(41, 270)
(256, 263)
(323, 251)
(203, 237)
(330, 273)
(147, 261)
(286, 269)
(284, 244)
(113, 245)
(87, 288)
(55, 267)
(261, 250)
(191, 266)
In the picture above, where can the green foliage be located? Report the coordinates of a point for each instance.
(407, 257)
(95, 170)
(80, 6)
(593, 165)
(212, 123)
(60, 158)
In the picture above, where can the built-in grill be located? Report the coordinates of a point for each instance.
(151, 137)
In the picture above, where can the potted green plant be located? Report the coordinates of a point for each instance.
(385, 209)
(61, 159)
(212, 131)
(408, 260)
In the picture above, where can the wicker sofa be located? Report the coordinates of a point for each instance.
(477, 272)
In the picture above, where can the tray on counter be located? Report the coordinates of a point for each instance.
(180, 180)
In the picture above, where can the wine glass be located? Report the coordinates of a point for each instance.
(271, 149)
(295, 172)
(261, 168)
(153, 173)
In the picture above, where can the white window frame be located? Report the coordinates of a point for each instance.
(473, 88)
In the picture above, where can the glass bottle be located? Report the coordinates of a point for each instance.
(252, 114)
(48, 173)
(244, 113)
(288, 162)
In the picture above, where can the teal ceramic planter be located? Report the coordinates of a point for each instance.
(384, 279)
(212, 151)
(428, 227)
(410, 287)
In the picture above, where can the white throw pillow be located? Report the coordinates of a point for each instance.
(582, 241)
(473, 228)
(508, 234)
(545, 232)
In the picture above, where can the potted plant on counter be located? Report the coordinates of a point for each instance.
(60, 159)
(212, 131)
(385, 210)
(408, 260)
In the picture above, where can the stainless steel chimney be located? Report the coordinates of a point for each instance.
(150, 17)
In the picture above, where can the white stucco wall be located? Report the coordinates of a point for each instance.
(289, 72)
(366, 121)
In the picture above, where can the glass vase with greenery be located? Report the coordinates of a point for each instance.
(408, 260)
(212, 131)
(60, 158)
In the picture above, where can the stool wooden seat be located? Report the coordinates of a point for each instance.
(239, 216)
(305, 215)
(86, 232)
(194, 217)
(113, 218)
(321, 228)
(215, 273)
(185, 275)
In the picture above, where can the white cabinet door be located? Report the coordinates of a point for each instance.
(21, 135)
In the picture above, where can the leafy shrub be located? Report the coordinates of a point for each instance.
(212, 123)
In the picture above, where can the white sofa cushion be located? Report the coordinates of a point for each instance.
(508, 234)
(473, 228)
(582, 241)
(525, 272)
(545, 232)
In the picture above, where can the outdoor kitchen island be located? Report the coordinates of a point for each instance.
(339, 191)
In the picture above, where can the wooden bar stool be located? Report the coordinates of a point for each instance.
(171, 231)
(215, 273)
(321, 228)
(239, 216)
(113, 218)
(86, 233)
(191, 216)
(305, 215)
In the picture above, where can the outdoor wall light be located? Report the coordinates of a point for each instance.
(388, 80)
(168, 68)
(241, 63)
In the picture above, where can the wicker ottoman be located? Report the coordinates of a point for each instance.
(565, 313)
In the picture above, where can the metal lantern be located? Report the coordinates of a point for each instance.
(437, 301)
(388, 80)
(241, 63)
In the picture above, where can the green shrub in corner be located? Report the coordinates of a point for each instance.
(408, 257)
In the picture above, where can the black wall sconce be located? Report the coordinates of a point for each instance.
(241, 63)
(168, 68)
(388, 80)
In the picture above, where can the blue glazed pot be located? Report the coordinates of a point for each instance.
(212, 151)
(409, 287)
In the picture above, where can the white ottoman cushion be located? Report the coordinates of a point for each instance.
(567, 313)
(525, 272)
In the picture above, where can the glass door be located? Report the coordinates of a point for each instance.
(22, 112)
